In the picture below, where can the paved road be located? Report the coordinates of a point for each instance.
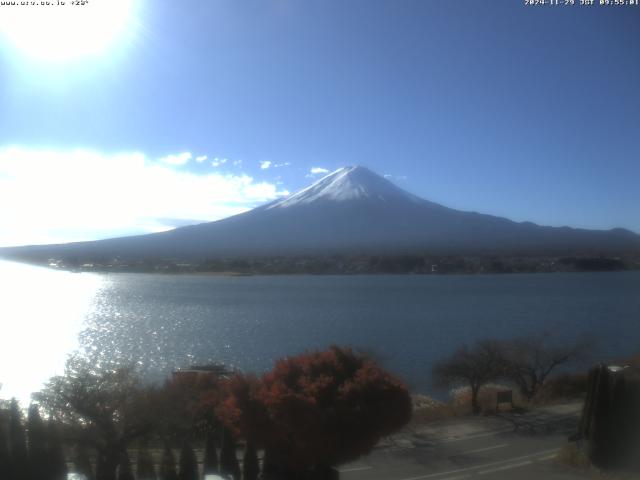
(505, 447)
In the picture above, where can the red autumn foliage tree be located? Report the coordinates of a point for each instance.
(317, 409)
(186, 402)
(243, 409)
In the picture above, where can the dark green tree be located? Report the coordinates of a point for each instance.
(188, 463)
(168, 465)
(251, 467)
(17, 444)
(610, 423)
(146, 469)
(228, 459)
(82, 462)
(269, 467)
(37, 443)
(125, 472)
(5, 457)
(56, 462)
(211, 465)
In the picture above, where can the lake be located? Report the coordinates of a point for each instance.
(406, 322)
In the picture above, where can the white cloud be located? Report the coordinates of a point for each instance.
(216, 162)
(237, 162)
(51, 196)
(178, 159)
(265, 164)
(201, 158)
(318, 170)
(387, 175)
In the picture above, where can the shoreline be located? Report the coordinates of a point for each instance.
(349, 267)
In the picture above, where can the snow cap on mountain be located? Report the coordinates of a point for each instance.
(347, 183)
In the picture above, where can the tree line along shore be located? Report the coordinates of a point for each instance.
(337, 264)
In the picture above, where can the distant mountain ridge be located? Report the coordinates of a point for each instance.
(351, 210)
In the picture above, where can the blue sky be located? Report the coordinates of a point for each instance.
(526, 112)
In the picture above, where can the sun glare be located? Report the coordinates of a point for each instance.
(65, 30)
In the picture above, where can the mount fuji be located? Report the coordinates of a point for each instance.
(351, 210)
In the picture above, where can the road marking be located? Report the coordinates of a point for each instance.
(485, 449)
(476, 467)
(548, 457)
(353, 469)
(505, 467)
(479, 435)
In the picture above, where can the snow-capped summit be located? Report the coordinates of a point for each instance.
(347, 183)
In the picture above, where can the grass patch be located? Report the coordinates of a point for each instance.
(572, 456)
(427, 409)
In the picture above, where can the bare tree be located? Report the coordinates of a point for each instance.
(528, 361)
(104, 408)
(471, 366)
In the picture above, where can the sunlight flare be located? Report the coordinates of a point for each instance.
(58, 30)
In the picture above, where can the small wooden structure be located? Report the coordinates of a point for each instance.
(504, 396)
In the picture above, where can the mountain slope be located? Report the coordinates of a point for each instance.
(349, 210)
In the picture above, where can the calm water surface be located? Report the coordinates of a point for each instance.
(407, 322)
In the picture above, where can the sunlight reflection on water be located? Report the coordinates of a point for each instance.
(42, 313)
(162, 322)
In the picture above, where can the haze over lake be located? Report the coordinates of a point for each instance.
(166, 321)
